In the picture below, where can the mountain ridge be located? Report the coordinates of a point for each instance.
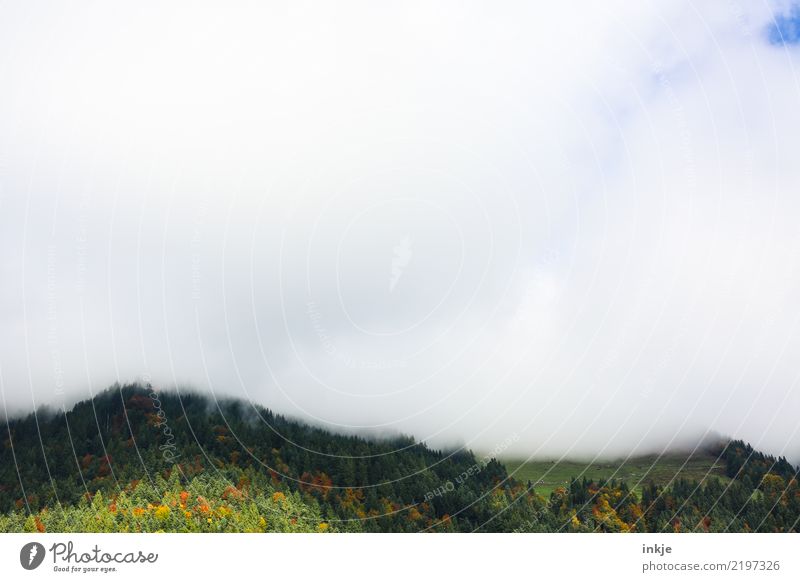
(129, 437)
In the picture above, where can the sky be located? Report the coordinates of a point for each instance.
(527, 229)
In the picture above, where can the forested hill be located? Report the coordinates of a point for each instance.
(133, 460)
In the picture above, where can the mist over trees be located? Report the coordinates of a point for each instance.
(133, 460)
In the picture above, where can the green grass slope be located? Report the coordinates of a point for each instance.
(636, 471)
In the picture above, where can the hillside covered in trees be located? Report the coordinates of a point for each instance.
(133, 460)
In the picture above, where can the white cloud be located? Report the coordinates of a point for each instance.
(599, 199)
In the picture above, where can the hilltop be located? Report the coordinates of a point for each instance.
(133, 460)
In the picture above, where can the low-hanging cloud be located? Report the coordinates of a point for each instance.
(574, 226)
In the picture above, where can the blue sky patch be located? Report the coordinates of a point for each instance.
(785, 30)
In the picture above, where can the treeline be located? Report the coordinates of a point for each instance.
(133, 460)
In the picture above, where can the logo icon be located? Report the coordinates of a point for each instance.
(31, 555)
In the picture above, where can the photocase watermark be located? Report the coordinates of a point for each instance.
(197, 230)
(67, 559)
(330, 348)
(529, 525)
(52, 323)
(31, 555)
(81, 242)
(66, 553)
(741, 19)
(447, 487)
(169, 448)
(681, 125)
(474, 469)
(401, 260)
(665, 360)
